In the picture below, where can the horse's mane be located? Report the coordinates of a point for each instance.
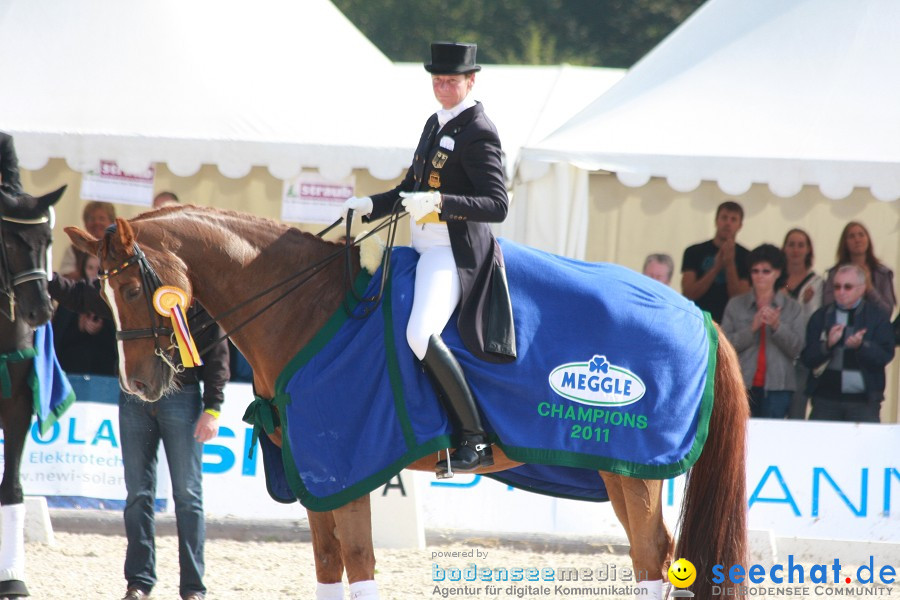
(245, 219)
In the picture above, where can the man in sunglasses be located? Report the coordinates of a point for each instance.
(848, 344)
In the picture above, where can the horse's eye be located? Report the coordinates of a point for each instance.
(131, 294)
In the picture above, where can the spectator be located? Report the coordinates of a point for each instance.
(9, 164)
(84, 342)
(714, 271)
(848, 344)
(855, 248)
(766, 329)
(804, 286)
(97, 216)
(165, 199)
(659, 267)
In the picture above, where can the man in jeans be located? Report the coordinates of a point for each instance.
(848, 344)
(183, 421)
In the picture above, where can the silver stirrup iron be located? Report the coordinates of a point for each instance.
(448, 474)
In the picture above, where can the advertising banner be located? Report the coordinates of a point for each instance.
(109, 183)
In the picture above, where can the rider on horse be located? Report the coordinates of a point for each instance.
(453, 189)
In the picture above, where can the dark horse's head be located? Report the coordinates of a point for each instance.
(26, 230)
(130, 273)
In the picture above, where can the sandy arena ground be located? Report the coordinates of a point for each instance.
(89, 566)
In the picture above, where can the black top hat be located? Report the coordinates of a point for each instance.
(451, 58)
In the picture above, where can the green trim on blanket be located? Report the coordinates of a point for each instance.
(360, 488)
(324, 335)
(12, 357)
(376, 480)
(628, 468)
(390, 351)
(35, 385)
(56, 412)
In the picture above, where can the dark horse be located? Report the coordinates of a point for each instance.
(26, 227)
(220, 258)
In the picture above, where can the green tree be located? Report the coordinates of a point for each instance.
(611, 33)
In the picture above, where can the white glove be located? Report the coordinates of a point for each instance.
(419, 204)
(359, 206)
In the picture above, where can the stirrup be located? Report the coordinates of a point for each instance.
(444, 473)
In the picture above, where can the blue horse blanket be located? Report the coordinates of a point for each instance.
(614, 372)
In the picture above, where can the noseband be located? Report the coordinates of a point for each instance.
(150, 283)
(9, 281)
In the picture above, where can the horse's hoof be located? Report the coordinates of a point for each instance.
(13, 588)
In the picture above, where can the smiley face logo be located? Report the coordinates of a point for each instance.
(682, 573)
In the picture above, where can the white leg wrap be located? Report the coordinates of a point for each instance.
(650, 590)
(364, 590)
(330, 591)
(12, 542)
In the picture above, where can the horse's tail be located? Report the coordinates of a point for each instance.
(714, 513)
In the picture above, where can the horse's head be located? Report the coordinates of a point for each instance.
(26, 230)
(130, 274)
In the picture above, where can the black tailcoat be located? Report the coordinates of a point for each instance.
(9, 163)
(463, 162)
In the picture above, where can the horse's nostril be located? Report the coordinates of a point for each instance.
(139, 385)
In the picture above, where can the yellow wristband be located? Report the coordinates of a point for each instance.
(213, 412)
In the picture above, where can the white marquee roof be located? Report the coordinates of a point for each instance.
(282, 84)
(275, 83)
(782, 92)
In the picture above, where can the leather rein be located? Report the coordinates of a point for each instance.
(151, 282)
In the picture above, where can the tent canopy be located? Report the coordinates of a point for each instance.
(781, 92)
(284, 85)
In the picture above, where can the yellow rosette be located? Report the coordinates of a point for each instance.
(169, 301)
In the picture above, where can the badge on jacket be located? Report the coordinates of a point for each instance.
(447, 143)
(434, 179)
(439, 159)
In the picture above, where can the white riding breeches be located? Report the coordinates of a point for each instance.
(437, 290)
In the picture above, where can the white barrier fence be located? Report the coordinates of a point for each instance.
(814, 480)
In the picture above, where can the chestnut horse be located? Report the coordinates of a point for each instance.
(221, 258)
(25, 235)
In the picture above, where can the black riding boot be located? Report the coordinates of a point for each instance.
(447, 375)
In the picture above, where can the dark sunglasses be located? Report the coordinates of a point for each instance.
(845, 286)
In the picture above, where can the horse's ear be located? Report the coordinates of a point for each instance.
(52, 198)
(83, 240)
(124, 235)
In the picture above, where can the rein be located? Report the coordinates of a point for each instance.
(151, 282)
(9, 281)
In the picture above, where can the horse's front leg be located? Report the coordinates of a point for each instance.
(638, 505)
(16, 414)
(327, 553)
(354, 531)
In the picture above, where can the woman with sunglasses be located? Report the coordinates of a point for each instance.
(855, 248)
(766, 329)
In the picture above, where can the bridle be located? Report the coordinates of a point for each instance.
(150, 283)
(8, 280)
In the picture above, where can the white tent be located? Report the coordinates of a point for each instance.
(281, 84)
(780, 92)
(277, 83)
